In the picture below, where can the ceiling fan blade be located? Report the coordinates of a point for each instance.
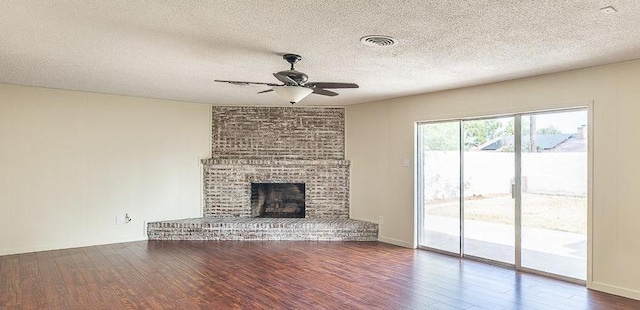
(265, 91)
(246, 83)
(332, 85)
(285, 79)
(324, 92)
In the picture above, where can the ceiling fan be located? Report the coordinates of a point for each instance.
(294, 85)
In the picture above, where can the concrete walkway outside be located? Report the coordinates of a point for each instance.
(546, 250)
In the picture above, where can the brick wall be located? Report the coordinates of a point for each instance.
(278, 133)
(277, 145)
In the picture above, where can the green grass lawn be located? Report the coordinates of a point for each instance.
(560, 213)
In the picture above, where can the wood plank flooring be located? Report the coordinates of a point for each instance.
(276, 275)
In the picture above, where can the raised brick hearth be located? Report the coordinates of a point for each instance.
(302, 146)
(250, 229)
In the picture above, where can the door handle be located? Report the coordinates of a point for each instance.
(513, 190)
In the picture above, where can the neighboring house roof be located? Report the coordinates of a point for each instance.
(573, 144)
(547, 142)
(493, 145)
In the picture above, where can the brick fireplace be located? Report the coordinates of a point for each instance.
(227, 185)
(273, 145)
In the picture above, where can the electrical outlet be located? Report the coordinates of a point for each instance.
(144, 228)
(119, 220)
(380, 220)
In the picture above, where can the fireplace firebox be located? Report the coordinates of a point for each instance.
(278, 200)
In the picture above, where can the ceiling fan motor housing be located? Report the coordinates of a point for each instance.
(299, 77)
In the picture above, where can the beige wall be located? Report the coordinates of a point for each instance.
(380, 135)
(70, 162)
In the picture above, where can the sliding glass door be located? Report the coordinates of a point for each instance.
(439, 145)
(488, 170)
(472, 205)
(554, 193)
(483, 201)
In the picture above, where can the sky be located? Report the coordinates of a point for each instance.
(567, 122)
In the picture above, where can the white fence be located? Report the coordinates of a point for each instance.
(491, 173)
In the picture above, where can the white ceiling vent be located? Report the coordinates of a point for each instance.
(378, 40)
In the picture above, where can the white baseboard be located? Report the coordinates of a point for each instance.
(615, 290)
(393, 241)
(397, 242)
(70, 245)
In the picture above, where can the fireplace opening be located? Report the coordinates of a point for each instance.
(277, 200)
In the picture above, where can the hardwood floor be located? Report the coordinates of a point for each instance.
(276, 275)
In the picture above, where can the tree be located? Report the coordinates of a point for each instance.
(529, 142)
(478, 132)
(441, 136)
(525, 126)
(445, 136)
(550, 130)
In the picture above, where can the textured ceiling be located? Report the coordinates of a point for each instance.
(174, 49)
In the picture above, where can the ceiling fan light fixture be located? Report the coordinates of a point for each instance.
(292, 94)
